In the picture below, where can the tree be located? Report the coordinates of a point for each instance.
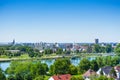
(96, 48)
(48, 51)
(2, 76)
(100, 62)
(89, 49)
(107, 61)
(103, 49)
(115, 60)
(94, 65)
(38, 69)
(52, 70)
(10, 77)
(2, 51)
(27, 70)
(60, 66)
(84, 65)
(59, 51)
(73, 70)
(117, 49)
(113, 73)
(108, 48)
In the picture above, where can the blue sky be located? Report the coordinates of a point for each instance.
(59, 20)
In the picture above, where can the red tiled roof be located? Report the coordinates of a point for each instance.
(62, 77)
(89, 73)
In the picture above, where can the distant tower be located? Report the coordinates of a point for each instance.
(96, 41)
(13, 42)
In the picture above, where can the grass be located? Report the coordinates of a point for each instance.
(4, 56)
(50, 56)
(24, 56)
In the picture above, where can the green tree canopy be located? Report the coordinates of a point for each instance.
(73, 70)
(108, 48)
(60, 66)
(117, 49)
(84, 65)
(2, 76)
(27, 70)
(59, 51)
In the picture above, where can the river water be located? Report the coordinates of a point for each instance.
(49, 62)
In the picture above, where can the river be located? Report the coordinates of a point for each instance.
(49, 62)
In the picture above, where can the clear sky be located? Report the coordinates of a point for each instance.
(59, 20)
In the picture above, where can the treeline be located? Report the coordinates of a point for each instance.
(35, 70)
(96, 48)
(18, 50)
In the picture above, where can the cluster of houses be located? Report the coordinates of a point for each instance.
(81, 47)
(106, 71)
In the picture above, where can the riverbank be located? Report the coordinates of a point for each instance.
(26, 57)
(35, 58)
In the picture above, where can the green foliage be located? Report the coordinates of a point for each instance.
(77, 78)
(52, 70)
(26, 70)
(39, 78)
(96, 48)
(103, 78)
(59, 51)
(102, 49)
(84, 65)
(2, 76)
(115, 61)
(113, 73)
(10, 77)
(60, 66)
(48, 51)
(108, 48)
(94, 65)
(2, 51)
(100, 62)
(73, 70)
(107, 61)
(117, 49)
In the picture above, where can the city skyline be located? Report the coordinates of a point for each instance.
(59, 20)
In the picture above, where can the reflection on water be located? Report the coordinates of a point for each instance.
(75, 61)
(49, 62)
(4, 65)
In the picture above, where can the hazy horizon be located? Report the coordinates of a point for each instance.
(59, 20)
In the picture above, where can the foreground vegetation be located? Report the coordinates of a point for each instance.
(35, 70)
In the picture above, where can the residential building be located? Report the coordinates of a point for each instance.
(117, 70)
(89, 73)
(60, 77)
(105, 71)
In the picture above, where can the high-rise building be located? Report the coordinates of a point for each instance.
(13, 42)
(96, 41)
